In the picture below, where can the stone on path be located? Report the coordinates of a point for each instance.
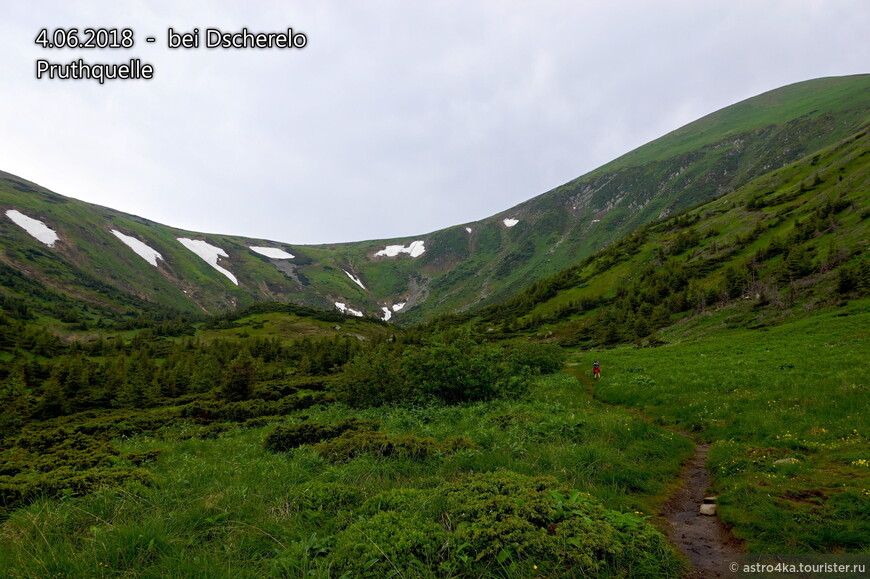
(709, 510)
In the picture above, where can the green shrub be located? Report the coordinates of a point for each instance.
(507, 516)
(63, 462)
(25, 488)
(450, 370)
(204, 411)
(284, 438)
(391, 543)
(539, 358)
(303, 400)
(201, 410)
(462, 371)
(375, 377)
(142, 457)
(237, 382)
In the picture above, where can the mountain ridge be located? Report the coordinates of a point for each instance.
(461, 267)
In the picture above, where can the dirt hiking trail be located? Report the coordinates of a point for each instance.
(704, 540)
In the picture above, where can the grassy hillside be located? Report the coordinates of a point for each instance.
(785, 243)
(810, 100)
(701, 161)
(462, 268)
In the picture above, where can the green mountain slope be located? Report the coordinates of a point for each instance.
(459, 269)
(787, 243)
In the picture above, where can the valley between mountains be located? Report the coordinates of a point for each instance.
(176, 403)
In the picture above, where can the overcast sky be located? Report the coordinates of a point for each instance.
(398, 117)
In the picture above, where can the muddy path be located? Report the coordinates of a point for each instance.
(705, 542)
(703, 539)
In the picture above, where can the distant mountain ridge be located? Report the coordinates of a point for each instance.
(114, 263)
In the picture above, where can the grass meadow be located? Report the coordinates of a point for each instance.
(786, 410)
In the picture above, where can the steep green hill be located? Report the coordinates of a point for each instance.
(91, 270)
(791, 242)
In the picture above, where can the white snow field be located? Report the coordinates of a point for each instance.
(209, 254)
(273, 252)
(387, 314)
(416, 249)
(397, 307)
(354, 278)
(343, 308)
(34, 227)
(148, 254)
(510, 222)
(468, 229)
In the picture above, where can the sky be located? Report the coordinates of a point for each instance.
(397, 118)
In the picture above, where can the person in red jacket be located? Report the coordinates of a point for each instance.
(596, 369)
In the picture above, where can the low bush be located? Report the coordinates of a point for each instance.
(64, 462)
(522, 521)
(539, 358)
(241, 411)
(507, 523)
(391, 543)
(448, 370)
(285, 438)
(66, 481)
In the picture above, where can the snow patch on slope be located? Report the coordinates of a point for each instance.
(209, 254)
(395, 308)
(345, 309)
(510, 222)
(354, 278)
(139, 248)
(34, 227)
(272, 252)
(468, 229)
(416, 249)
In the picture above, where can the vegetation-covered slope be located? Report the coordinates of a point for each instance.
(281, 440)
(459, 268)
(795, 239)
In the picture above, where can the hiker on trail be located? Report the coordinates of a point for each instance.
(596, 369)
